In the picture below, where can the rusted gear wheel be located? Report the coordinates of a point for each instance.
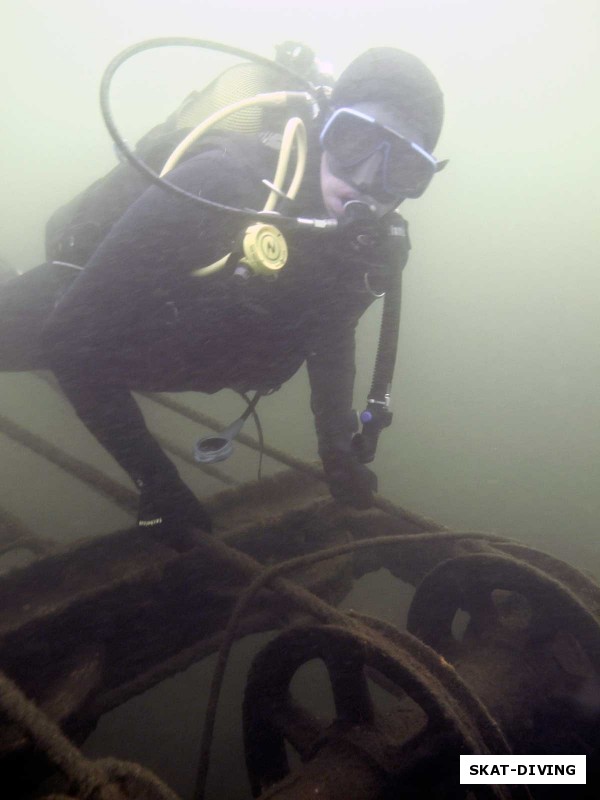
(455, 721)
(471, 582)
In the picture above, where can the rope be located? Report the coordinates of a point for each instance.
(92, 780)
(48, 738)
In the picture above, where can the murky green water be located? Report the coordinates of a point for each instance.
(496, 397)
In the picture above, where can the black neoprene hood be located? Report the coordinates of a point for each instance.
(400, 80)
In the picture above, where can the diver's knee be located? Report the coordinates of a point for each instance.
(57, 346)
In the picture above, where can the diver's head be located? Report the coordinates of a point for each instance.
(377, 143)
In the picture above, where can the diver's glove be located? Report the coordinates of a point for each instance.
(168, 508)
(350, 482)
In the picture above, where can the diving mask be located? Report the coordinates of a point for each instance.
(350, 137)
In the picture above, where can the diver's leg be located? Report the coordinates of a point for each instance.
(96, 385)
(26, 302)
(113, 416)
(108, 334)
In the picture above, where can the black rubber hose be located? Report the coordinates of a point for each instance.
(182, 41)
(387, 347)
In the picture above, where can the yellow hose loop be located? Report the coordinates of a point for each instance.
(294, 132)
(211, 268)
(263, 99)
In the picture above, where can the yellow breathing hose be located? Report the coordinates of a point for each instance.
(264, 245)
(294, 132)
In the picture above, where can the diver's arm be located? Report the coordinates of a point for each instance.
(331, 370)
(332, 366)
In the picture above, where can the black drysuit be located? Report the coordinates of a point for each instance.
(136, 319)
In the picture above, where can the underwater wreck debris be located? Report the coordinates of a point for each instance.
(506, 677)
(360, 741)
(128, 589)
(102, 779)
(88, 626)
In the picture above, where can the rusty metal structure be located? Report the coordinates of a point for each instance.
(501, 651)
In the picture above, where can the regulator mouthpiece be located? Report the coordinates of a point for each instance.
(357, 210)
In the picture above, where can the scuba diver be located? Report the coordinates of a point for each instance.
(158, 307)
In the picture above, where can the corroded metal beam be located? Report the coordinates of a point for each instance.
(123, 608)
(91, 625)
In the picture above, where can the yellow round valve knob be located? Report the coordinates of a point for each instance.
(265, 249)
